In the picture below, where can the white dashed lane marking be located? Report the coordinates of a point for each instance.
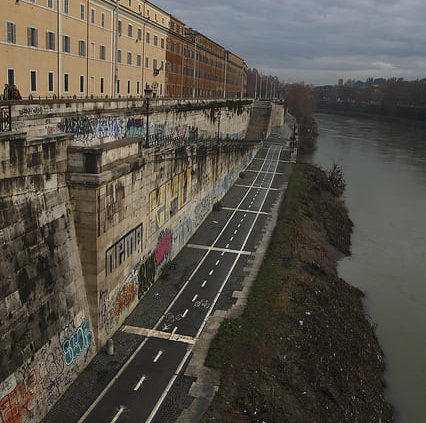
(159, 354)
(211, 272)
(139, 384)
(203, 284)
(195, 297)
(117, 416)
(185, 313)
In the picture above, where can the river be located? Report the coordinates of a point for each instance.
(385, 169)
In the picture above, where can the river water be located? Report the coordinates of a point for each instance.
(385, 170)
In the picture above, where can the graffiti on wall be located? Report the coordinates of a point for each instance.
(125, 247)
(87, 129)
(146, 274)
(169, 198)
(182, 231)
(164, 246)
(40, 381)
(125, 297)
(77, 342)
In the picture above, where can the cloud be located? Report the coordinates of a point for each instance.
(318, 41)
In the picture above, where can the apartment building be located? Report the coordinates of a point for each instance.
(110, 48)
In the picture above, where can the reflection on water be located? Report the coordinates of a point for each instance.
(385, 170)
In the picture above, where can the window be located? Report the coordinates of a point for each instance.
(102, 52)
(10, 32)
(156, 17)
(81, 83)
(66, 44)
(155, 40)
(139, 34)
(129, 58)
(66, 82)
(139, 8)
(180, 50)
(33, 80)
(169, 44)
(50, 40)
(81, 48)
(119, 56)
(146, 62)
(32, 37)
(50, 81)
(147, 37)
(154, 64)
(92, 16)
(138, 60)
(130, 3)
(137, 87)
(128, 87)
(162, 43)
(130, 30)
(103, 20)
(82, 11)
(118, 86)
(66, 6)
(119, 27)
(169, 67)
(102, 85)
(50, 4)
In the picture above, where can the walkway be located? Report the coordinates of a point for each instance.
(151, 385)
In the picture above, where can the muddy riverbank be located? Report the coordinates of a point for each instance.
(303, 350)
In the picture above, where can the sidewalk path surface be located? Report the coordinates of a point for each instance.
(145, 381)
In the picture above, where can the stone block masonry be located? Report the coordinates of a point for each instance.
(46, 335)
(85, 230)
(93, 122)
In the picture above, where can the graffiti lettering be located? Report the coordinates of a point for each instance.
(164, 246)
(123, 249)
(105, 312)
(124, 298)
(146, 274)
(38, 110)
(135, 127)
(77, 343)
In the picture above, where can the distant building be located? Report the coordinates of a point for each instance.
(340, 83)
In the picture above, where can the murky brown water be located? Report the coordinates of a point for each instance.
(385, 171)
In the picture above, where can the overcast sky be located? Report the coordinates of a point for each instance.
(316, 41)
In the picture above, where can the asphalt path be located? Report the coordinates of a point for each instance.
(138, 390)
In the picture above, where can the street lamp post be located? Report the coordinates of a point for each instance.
(148, 95)
(218, 125)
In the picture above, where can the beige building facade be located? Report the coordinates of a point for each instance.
(110, 48)
(83, 48)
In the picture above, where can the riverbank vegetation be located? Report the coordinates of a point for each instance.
(303, 350)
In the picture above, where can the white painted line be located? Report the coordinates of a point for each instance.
(159, 354)
(185, 313)
(139, 384)
(258, 187)
(117, 416)
(227, 245)
(245, 210)
(235, 232)
(222, 253)
(245, 214)
(211, 272)
(203, 284)
(174, 330)
(151, 333)
(242, 220)
(262, 171)
(195, 297)
(217, 262)
(231, 238)
(239, 225)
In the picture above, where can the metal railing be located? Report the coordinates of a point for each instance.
(5, 118)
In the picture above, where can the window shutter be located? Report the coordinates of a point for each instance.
(35, 37)
(47, 40)
(14, 33)
(29, 36)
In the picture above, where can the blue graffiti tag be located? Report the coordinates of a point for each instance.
(79, 341)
